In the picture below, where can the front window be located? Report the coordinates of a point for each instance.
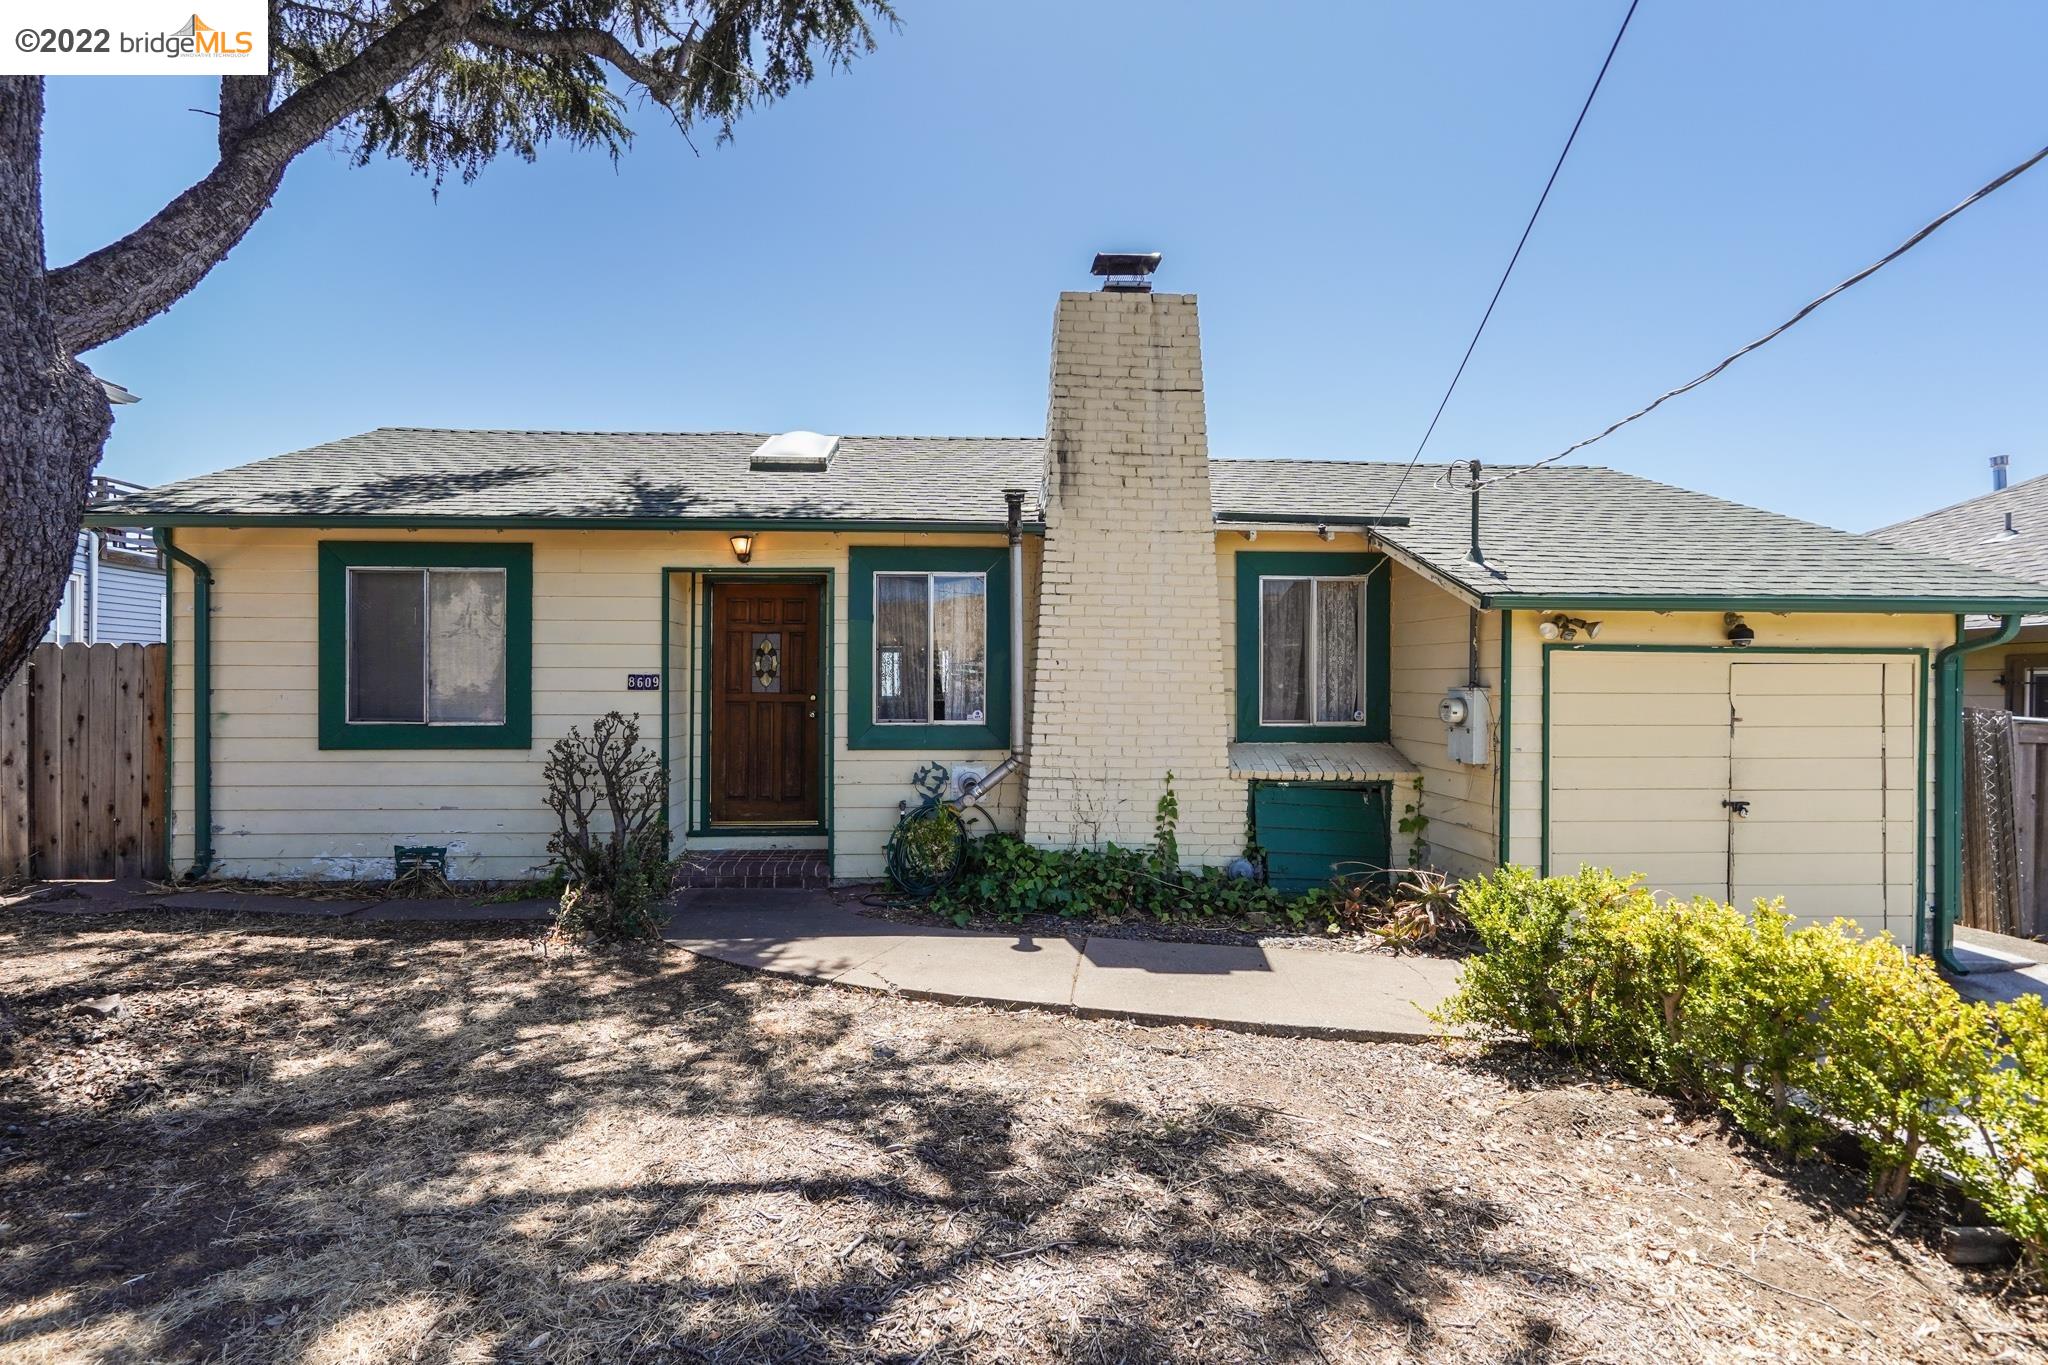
(1312, 651)
(2034, 692)
(931, 648)
(426, 646)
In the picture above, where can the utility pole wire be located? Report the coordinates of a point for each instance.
(1901, 249)
(1527, 228)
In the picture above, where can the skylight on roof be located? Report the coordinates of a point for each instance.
(794, 450)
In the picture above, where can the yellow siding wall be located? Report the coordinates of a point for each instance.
(283, 807)
(1430, 654)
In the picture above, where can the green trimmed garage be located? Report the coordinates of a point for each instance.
(1312, 832)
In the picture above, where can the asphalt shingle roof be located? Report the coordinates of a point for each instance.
(1564, 532)
(1584, 532)
(411, 472)
(1974, 531)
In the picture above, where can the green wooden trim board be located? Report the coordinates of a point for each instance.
(337, 557)
(1255, 564)
(863, 563)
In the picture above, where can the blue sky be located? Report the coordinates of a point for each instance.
(1340, 183)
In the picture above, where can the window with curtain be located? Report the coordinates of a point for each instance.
(1311, 651)
(426, 646)
(931, 648)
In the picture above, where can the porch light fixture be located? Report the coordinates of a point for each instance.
(742, 545)
(1739, 633)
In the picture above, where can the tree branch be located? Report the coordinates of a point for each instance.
(124, 284)
(663, 81)
(244, 100)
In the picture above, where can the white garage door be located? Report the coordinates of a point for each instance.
(1740, 776)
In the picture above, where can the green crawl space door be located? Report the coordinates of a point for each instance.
(1313, 833)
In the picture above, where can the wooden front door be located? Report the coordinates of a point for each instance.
(765, 647)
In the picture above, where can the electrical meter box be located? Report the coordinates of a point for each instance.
(1468, 725)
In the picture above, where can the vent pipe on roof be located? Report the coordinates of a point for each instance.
(2000, 464)
(1475, 555)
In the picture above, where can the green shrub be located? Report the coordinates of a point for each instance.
(2007, 1172)
(1759, 1022)
(1790, 1031)
(1648, 985)
(1902, 1053)
(1530, 978)
(1009, 879)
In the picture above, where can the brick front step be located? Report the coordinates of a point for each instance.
(793, 870)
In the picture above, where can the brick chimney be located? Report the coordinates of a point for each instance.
(1128, 683)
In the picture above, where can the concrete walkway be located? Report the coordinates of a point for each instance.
(1287, 990)
(2000, 969)
(813, 937)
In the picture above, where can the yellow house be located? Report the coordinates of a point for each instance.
(375, 641)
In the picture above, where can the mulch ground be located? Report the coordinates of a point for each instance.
(367, 1142)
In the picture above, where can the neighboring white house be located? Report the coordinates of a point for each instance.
(2004, 531)
(115, 594)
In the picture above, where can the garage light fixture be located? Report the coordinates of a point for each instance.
(742, 545)
(1562, 627)
(1739, 633)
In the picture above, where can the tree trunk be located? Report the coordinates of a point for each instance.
(54, 416)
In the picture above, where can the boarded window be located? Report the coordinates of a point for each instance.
(931, 648)
(426, 646)
(466, 658)
(1311, 651)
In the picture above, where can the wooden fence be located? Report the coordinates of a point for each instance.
(82, 763)
(2005, 841)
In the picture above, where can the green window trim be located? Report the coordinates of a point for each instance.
(1252, 565)
(337, 557)
(863, 563)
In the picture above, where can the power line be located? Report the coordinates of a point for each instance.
(1527, 228)
(1901, 249)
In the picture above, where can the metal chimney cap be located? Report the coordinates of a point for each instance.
(1124, 263)
(1125, 271)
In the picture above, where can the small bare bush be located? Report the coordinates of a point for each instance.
(611, 850)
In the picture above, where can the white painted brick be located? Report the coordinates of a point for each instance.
(1128, 675)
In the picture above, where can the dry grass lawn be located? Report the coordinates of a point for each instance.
(331, 1142)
